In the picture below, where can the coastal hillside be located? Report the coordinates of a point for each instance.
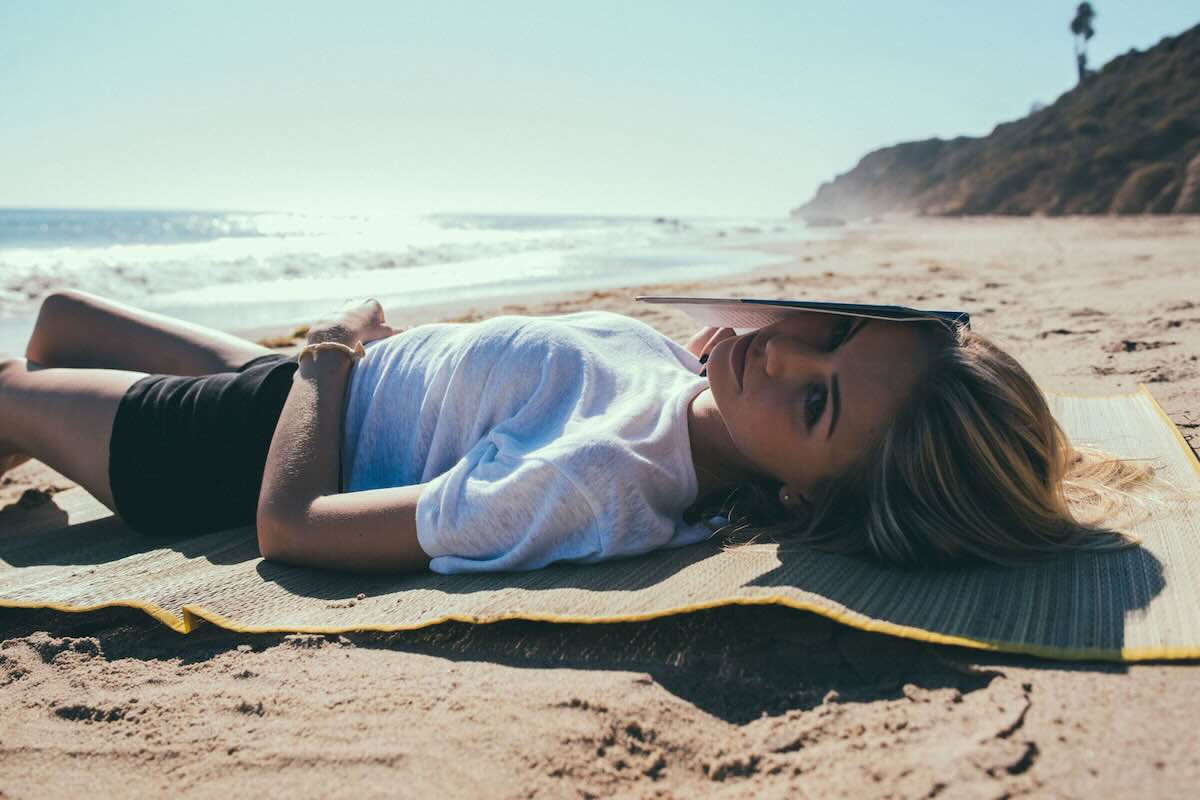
(1125, 141)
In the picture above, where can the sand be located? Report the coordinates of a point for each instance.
(736, 702)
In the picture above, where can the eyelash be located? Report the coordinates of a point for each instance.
(820, 392)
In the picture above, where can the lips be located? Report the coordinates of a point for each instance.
(737, 355)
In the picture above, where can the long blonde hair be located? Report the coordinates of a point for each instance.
(975, 468)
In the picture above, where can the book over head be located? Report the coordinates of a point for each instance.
(745, 312)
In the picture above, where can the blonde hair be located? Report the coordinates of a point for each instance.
(975, 468)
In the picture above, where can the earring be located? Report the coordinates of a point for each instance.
(787, 498)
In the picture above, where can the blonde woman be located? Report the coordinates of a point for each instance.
(516, 442)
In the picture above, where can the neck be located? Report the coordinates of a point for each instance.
(719, 464)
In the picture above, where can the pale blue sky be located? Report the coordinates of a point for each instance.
(730, 108)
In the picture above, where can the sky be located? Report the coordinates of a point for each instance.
(606, 107)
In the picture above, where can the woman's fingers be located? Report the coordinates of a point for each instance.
(706, 339)
(696, 344)
(719, 335)
(358, 320)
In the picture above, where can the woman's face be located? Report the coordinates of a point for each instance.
(803, 398)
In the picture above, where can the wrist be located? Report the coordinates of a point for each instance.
(318, 369)
(328, 356)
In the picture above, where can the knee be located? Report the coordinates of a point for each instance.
(55, 319)
(56, 308)
(63, 301)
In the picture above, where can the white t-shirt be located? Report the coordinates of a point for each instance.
(540, 439)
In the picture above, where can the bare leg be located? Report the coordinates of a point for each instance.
(63, 418)
(82, 330)
(78, 329)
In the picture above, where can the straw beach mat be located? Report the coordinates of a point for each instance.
(72, 555)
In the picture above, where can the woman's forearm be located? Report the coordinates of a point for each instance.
(304, 457)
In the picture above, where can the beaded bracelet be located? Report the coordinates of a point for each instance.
(355, 352)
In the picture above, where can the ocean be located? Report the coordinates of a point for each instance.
(241, 270)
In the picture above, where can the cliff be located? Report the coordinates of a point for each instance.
(1125, 141)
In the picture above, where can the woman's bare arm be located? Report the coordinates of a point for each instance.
(302, 519)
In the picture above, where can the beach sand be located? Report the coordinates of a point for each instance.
(735, 702)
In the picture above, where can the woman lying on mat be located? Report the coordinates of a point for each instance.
(515, 442)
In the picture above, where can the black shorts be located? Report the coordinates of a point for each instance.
(186, 454)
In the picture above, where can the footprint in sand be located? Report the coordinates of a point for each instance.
(1159, 375)
(1087, 312)
(1066, 332)
(1135, 346)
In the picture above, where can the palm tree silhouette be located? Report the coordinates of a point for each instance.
(1081, 26)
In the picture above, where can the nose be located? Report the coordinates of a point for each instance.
(795, 357)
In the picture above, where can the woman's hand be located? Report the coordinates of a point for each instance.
(357, 321)
(706, 339)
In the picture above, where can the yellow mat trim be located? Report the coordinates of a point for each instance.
(1144, 391)
(194, 614)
